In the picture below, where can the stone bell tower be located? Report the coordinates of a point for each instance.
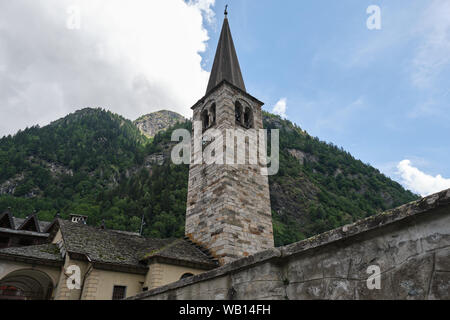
(228, 205)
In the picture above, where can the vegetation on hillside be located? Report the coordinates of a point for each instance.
(320, 186)
(97, 163)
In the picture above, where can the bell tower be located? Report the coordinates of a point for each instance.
(228, 205)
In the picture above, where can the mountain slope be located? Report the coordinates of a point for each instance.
(98, 163)
(67, 162)
(320, 186)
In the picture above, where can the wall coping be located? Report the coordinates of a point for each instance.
(424, 205)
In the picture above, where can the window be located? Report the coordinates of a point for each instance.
(213, 114)
(205, 120)
(248, 118)
(238, 112)
(186, 275)
(119, 292)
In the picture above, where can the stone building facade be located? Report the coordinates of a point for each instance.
(228, 204)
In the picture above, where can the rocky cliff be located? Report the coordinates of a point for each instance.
(150, 124)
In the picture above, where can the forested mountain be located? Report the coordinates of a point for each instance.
(97, 163)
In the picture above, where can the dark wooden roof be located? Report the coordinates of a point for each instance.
(30, 226)
(7, 220)
(30, 223)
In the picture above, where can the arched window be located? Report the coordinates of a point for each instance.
(238, 112)
(248, 118)
(212, 117)
(205, 119)
(186, 275)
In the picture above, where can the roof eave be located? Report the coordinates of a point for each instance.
(245, 93)
(25, 232)
(109, 266)
(31, 260)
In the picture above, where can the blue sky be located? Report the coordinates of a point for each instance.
(383, 95)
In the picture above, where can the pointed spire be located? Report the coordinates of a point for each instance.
(226, 64)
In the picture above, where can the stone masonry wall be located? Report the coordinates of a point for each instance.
(410, 245)
(228, 206)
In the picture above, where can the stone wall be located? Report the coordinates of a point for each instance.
(410, 245)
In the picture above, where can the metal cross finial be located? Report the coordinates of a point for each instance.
(226, 10)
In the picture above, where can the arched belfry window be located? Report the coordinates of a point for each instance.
(243, 114)
(212, 113)
(238, 112)
(205, 120)
(248, 118)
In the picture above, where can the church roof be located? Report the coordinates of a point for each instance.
(114, 248)
(226, 64)
(29, 226)
(7, 220)
(44, 253)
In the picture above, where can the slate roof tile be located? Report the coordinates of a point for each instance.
(127, 249)
(49, 252)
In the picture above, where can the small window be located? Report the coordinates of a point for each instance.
(186, 275)
(119, 292)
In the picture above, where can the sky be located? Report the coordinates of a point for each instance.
(373, 82)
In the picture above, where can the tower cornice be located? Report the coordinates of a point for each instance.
(244, 93)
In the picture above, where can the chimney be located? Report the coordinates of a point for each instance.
(77, 218)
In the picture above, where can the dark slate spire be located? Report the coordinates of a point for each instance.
(226, 64)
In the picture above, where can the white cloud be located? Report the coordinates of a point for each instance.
(131, 57)
(420, 182)
(280, 107)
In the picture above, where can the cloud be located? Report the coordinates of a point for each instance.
(420, 182)
(280, 107)
(131, 57)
